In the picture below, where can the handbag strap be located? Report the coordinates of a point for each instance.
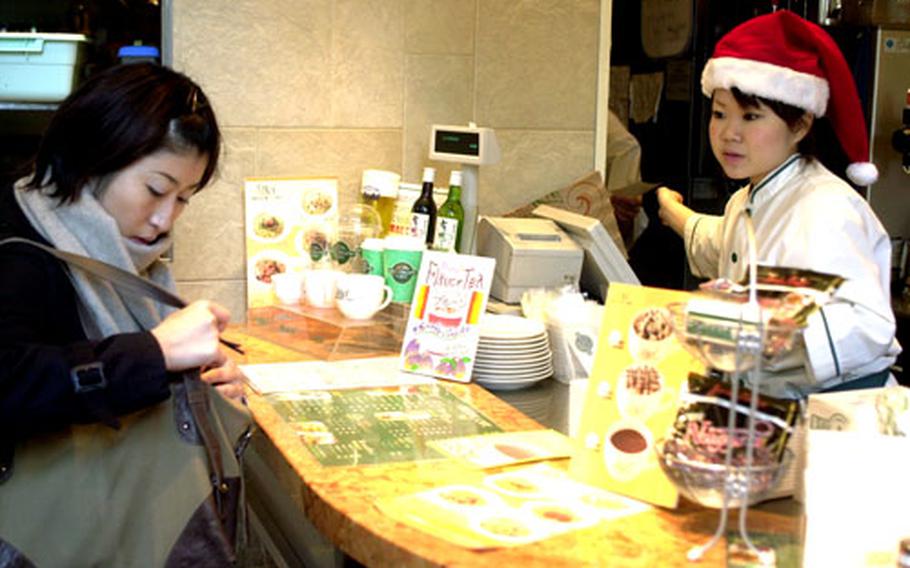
(126, 281)
(197, 394)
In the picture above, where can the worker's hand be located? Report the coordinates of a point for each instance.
(665, 193)
(226, 377)
(672, 212)
(189, 337)
(665, 198)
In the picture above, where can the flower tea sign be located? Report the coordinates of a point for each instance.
(443, 328)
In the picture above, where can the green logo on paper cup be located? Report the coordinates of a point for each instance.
(583, 343)
(402, 272)
(317, 251)
(341, 252)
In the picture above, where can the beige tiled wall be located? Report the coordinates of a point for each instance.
(331, 87)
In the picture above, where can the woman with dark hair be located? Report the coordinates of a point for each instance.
(118, 117)
(770, 80)
(122, 157)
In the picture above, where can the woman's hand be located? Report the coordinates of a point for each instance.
(189, 337)
(226, 377)
(672, 211)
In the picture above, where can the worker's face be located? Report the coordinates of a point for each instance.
(146, 197)
(750, 142)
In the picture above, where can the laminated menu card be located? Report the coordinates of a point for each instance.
(345, 427)
(486, 451)
(508, 509)
(443, 327)
(633, 394)
(287, 222)
(294, 376)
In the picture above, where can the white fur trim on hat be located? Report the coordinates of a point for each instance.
(768, 81)
(862, 173)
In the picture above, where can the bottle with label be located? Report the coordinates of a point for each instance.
(379, 189)
(450, 219)
(401, 214)
(423, 212)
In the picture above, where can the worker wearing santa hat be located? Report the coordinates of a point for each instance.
(770, 79)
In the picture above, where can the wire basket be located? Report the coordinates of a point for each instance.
(729, 345)
(704, 483)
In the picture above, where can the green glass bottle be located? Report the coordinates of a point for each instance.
(450, 219)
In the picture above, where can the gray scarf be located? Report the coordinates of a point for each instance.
(85, 228)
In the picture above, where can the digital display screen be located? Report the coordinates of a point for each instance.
(463, 143)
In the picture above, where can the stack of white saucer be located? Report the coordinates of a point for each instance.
(513, 353)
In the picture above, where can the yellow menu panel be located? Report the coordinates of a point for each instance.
(289, 223)
(632, 397)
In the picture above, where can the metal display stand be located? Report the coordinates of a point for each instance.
(737, 481)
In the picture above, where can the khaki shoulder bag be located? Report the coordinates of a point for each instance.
(163, 489)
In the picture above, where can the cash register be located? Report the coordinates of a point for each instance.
(529, 253)
(554, 248)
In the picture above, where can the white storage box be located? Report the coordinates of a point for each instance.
(38, 67)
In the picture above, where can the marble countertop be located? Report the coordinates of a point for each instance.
(338, 501)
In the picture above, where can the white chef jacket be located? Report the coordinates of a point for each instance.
(806, 217)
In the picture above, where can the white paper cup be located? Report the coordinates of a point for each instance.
(319, 286)
(288, 287)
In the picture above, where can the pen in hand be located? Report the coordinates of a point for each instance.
(232, 345)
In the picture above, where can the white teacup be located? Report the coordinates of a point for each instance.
(319, 286)
(288, 287)
(360, 296)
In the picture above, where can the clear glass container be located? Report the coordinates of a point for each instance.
(719, 342)
(355, 224)
(704, 483)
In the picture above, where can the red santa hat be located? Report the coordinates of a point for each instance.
(782, 57)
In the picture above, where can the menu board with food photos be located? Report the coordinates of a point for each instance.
(508, 508)
(288, 222)
(633, 394)
(444, 326)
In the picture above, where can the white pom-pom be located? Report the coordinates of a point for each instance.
(862, 173)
